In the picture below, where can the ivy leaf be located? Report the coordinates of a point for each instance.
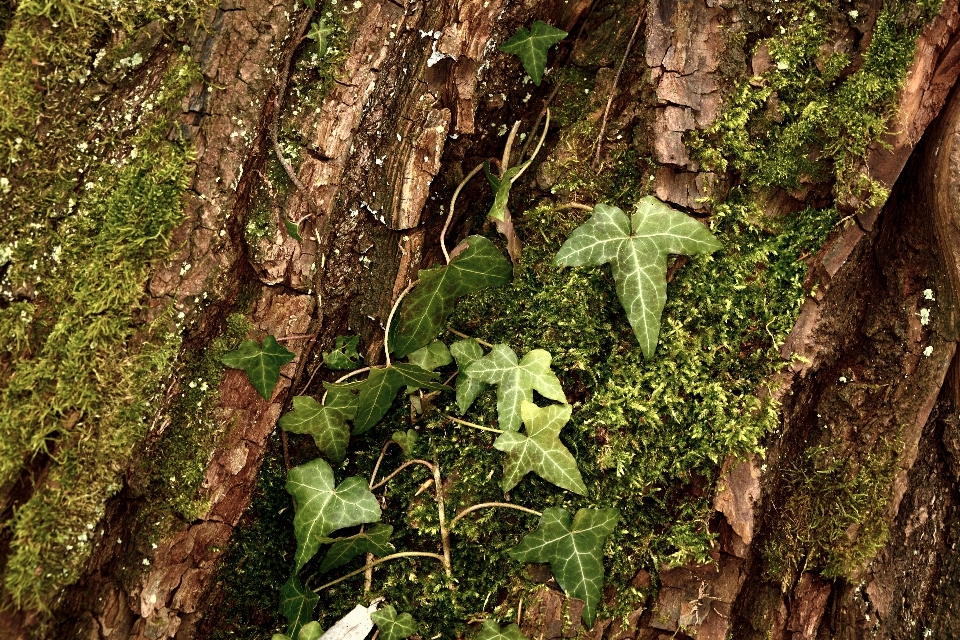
(498, 211)
(434, 355)
(574, 551)
(427, 307)
(296, 604)
(382, 386)
(323, 509)
(407, 441)
(531, 47)
(392, 626)
(466, 352)
(638, 256)
(262, 363)
(375, 541)
(310, 631)
(492, 631)
(293, 229)
(344, 354)
(540, 450)
(344, 398)
(516, 381)
(327, 425)
(320, 33)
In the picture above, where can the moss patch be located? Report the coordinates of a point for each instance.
(92, 187)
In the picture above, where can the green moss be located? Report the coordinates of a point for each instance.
(89, 206)
(259, 558)
(181, 458)
(811, 120)
(833, 520)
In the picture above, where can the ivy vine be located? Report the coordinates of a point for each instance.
(636, 246)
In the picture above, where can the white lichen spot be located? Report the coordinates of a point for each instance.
(928, 294)
(853, 13)
(924, 316)
(843, 379)
(928, 352)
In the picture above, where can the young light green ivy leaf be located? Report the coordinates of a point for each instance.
(293, 230)
(392, 626)
(261, 363)
(638, 256)
(296, 604)
(532, 46)
(426, 309)
(516, 381)
(383, 385)
(323, 508)
(344, 354)
(540, 450)
(574, 551)
(320, 32)
(492, 631)
(310, 631)
(375, 541)
(434, 355)
(466, 352)
(327, 425)
(407, 441)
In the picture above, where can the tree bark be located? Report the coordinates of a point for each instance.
(415, 102)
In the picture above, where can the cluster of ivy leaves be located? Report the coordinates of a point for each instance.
(636, 246)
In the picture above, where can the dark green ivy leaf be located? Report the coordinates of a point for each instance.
(426, 309)
(574, 551)
(327, 425)
(531, 47)
(323, 508)
(344, 354)
(392, 626)
(492, 631)
(375, 541)
(296, 605)
(466, 352)
(293, 230)
(502, 194)
(637, 249)
(262, 363)
(381, 388)
(345, 398)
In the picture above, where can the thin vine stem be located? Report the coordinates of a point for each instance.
(613, 89)
(507, 148)
(453, 201)
(376, 467)
(465, 336)
(357, 372)
(399, 469)
(485, 505)
(393, 311)
(444, 530)
(543, 137)
(473, 424)
(392, 556)
(573, 205)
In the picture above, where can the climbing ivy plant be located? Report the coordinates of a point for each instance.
(528, 426)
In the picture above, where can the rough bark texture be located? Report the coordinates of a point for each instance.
(412, 111)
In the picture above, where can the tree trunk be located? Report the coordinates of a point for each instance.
(127, 500)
